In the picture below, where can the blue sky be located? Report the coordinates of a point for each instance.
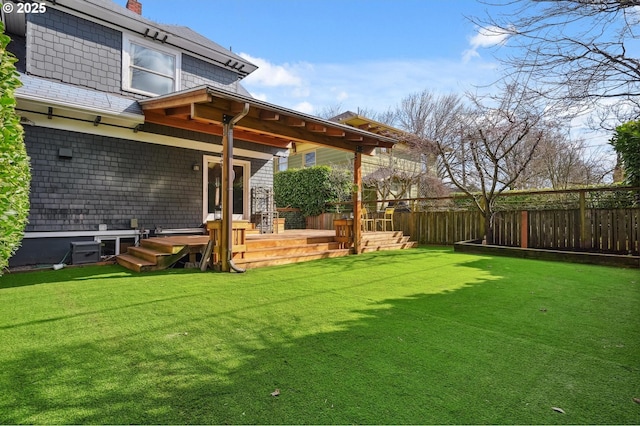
(368, 54)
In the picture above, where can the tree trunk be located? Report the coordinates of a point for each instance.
(488, 228)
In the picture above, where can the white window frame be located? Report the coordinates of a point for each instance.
(315, 158)
(206, 159)
(126, 62)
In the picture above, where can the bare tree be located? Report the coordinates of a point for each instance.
(559, 161)
(430, 117)
(500, 139)
(397, 173)
(330, 111)
(562, 162)
(579, 51)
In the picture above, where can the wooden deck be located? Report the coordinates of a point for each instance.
(290, 246)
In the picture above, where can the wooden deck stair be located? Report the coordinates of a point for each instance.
(388, 240)
(155, 254)
(262, 250)
(276, 251)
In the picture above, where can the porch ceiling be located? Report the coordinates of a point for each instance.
(202, 109)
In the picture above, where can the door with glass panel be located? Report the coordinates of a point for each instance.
(212, 188)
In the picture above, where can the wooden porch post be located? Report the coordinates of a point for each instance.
(224, 236)
(357, 201)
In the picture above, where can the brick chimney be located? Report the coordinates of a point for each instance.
(134, 6)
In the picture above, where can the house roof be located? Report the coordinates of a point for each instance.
(353, 119)
(36, 90)
(181, 37)
(203, 109)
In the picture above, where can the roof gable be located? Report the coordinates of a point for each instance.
(183, 38)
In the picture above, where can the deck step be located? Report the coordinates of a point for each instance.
(145, 253)
(288, 250)
(397, 246)
(274, 240)
(164, 245)
(283, 260)
(386, 240)
(145, 258)
(379, 241)
(134, 263)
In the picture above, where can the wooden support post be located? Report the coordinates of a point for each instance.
(524, 229)
(224, 252)
(583, 220)
(357, 202)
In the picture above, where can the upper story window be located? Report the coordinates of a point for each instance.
(148, 68)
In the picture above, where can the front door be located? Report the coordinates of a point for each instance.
(212, 188)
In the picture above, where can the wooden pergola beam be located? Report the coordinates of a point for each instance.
(177, 101)
(294, 122)
(269, 115)
(316, 128)
(338, 133)
(252, 124)
(158, 117)
(184, 110)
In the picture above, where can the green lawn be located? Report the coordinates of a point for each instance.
(417, 336)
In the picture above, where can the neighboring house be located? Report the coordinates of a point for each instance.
(388, 174)
(123, 122)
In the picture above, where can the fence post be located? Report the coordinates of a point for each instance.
(357, 201)
(583, 220)
(524, 229)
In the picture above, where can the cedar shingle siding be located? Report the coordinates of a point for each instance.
(110, 181)
(73, 50)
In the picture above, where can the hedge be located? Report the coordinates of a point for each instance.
(310, 189)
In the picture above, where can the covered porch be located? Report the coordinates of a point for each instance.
(216, 111)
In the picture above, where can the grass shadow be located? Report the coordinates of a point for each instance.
(481, 351)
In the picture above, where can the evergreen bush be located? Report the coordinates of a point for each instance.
(309, 189)
(15, 173)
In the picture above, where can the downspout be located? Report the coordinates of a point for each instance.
(228, 124)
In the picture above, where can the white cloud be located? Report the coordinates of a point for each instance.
(260, 96)
(342, 96)
(304, 107)
(381, 85)
(484, 38)
(374, 85)
(271, 75)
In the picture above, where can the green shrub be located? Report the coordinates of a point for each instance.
(309, 189)
(15, 174)
(626, 142)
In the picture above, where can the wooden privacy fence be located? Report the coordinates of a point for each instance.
(591, 219)
(601, 230)
(440, 227)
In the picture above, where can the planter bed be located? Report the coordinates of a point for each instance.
(476, 247)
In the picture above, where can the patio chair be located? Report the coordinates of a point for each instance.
(386, 219)
(368, 223)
